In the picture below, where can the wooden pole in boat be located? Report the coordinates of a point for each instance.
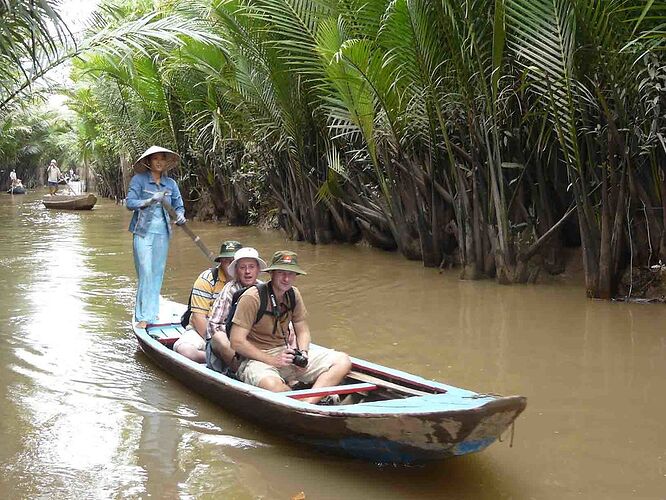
(70, 187)
(172, 213)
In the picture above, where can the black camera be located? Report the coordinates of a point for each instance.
(299, 359)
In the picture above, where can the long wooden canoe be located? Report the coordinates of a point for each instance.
(386, 415)
(70, 202)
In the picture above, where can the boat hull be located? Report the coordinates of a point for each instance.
(402, 431)
(70, 202)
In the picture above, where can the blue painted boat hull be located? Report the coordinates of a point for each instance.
(445, 423)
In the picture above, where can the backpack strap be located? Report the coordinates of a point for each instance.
(263, 289)
(291, 299)
(215, 271)
(185, 318)
(263, 301)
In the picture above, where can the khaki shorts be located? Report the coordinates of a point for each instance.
(320, 360)
(190, 337)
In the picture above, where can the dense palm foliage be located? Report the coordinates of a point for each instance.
(485, 134)
(32, 40)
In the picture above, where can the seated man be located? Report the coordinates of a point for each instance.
(268, 360)
(245, 268)
(206, 288)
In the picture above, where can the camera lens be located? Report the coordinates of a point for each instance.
(299, 359)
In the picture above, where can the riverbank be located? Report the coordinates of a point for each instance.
(637, 285)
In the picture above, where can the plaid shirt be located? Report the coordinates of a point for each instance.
(221, 308)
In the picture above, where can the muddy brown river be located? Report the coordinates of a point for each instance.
(84, 414)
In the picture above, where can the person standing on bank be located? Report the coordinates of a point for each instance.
(148, 189)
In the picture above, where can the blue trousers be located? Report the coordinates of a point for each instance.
(150, 256)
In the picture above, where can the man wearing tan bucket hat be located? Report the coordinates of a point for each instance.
(148, 189)
(206, 289)
(268, 362)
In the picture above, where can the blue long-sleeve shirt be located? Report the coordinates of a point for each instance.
(142, 187)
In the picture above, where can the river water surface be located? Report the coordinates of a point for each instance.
(84, 414)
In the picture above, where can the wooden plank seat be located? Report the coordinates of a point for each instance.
(328, 391)
(168, 341)
(165, 333)
(385, 383)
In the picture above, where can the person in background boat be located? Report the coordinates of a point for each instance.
(12, 177)
(206, 289)
(245, 269)
(268, 361)
(71, 175)
(149, 188)
(53, 175)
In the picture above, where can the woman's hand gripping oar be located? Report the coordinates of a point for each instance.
(172, 213)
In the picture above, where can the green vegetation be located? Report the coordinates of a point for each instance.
(485, 134)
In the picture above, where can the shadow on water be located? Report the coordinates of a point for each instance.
(84, 414)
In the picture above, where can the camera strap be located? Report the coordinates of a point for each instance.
(276, 317)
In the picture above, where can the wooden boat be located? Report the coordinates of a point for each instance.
(70, 202)
(16, 190)
(387, 415)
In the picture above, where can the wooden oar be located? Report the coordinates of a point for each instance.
(189, 232)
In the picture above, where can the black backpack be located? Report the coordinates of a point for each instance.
(264, 290)
(185, 318)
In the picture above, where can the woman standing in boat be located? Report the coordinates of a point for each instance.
(148, 189)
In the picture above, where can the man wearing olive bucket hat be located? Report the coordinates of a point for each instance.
(149, 187)
(206, 289)
(267, 360)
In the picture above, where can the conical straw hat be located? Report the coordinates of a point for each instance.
(141, 165)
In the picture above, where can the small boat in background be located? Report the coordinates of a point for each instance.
(16, 190)
(70, 202)
(386, 415)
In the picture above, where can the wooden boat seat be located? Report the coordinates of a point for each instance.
(168, 341)
(328, 391)
(165, 333)
(385, 383)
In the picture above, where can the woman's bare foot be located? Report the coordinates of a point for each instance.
(141, 324)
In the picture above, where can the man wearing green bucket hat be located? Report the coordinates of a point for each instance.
(269, 359)
(206, 288)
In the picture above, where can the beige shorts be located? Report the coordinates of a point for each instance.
(190, 337)
(320, 360)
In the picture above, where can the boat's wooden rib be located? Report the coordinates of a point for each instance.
(370, 369)
(385, 383)
(388, 416)
(329, 391)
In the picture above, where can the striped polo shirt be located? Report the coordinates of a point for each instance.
(204, 292)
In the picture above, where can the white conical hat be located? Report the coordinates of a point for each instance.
(140, 165)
